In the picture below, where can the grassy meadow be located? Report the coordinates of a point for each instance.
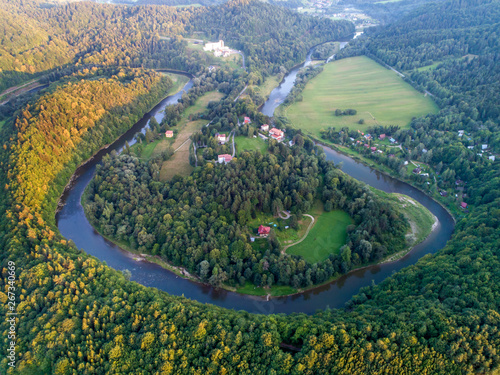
(377, 94)
(326, 237)
(250, 144)
(179, 162)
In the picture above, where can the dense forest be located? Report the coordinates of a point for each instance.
(200, 221)
(78, 316)
(151, 36)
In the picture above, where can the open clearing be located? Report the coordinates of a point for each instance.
(250, 144)
(326, 237)
(178, 164)
(377, 94)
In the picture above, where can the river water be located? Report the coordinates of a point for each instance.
(73, 225)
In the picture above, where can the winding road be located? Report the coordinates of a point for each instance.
(303, 238)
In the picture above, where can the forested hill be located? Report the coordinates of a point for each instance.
(268, 35)
(78, 316)
(99, 34)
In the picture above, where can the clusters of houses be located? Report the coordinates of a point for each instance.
(219, 49)
(274, 133)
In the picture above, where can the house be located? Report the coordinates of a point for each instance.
(470, 147)
(221, 138)
(417, 170)
(392, 140)
(492, 157)
(211, 68)
(246, 120)
(264, 231)
(367, 146)
(484, 147)
(224, 158)
(373, 149)
(424, 151)
(277, 134)
(381, 137)
(169, 133)
(458, 182)
(463, 205)
(460, 133)
(351, 138)
(406, 162)
(368, 137)
(443, 193)
(264, 128)
(217, 53)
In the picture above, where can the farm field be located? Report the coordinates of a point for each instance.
(378, 95)
(244, 143)
(179, 162)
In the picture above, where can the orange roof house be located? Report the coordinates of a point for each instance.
(277, 134)
(246, 120)
(169, 133)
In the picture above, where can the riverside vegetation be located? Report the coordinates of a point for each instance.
(78, 316)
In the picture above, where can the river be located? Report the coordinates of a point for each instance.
(73, 225)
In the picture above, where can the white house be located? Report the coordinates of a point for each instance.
(492, 157)
(221, 138)
(224, 158)
(484, 147)
(264, 128)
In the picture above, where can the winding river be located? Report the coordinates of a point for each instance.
(73, 225)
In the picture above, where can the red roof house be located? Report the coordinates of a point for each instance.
(247, 120)
(373, 148)
(463, 205)
(264, 231)
(277, 134)
(381, 136)
(169, 133)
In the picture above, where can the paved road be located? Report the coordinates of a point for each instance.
(241, 93)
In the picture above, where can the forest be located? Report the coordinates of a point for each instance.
(79, 316)
(200, 221)
(151, 36)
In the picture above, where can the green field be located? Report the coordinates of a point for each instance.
(326, 237)
(377, 94)
(250, 144)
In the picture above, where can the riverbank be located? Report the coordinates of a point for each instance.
(383, 170)
(100, 152)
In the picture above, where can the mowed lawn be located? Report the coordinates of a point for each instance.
(326, 237)
(250, 144)
(378, 95)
